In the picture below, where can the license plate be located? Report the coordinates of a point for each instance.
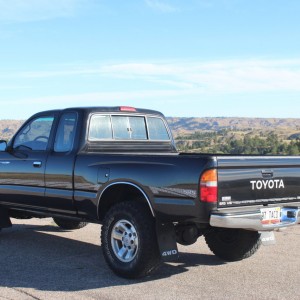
(270, 215)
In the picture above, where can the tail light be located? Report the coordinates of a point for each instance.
(209, 186)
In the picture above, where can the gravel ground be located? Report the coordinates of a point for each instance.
(39, 261)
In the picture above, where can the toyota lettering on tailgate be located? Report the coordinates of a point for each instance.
(267, 184)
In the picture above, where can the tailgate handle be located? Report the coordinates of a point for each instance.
(267, 173)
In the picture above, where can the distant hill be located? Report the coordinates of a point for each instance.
(237, 135)
(8, 128)
(284, 128)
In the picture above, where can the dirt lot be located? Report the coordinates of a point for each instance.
(39, 261)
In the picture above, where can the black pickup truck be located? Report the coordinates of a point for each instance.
(118, 166)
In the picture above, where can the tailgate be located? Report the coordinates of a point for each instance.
(254, 180)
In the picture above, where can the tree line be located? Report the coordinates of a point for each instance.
(226, 142)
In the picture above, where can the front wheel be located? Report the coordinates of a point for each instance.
(232, 244)
(129, 240)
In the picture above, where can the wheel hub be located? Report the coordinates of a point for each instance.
(124, 241)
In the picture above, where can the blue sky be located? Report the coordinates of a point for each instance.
(190, 58)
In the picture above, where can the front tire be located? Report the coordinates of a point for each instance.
(69, 224)
(232, 244)
(129, 241)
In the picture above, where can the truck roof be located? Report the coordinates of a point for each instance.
(108, 109)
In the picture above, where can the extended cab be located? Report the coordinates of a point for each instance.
(118, 166)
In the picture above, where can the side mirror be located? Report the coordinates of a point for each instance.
(3, 145)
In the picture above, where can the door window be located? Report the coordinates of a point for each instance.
(35, 135)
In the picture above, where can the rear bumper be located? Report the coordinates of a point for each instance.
(252, 220)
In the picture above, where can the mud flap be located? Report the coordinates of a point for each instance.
(167, 241)
(4, 218)
(267, 238)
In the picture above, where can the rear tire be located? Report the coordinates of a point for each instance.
(232, 244)
(129, 241)
(69, 224)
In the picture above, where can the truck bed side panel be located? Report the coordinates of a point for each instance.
(171, 182)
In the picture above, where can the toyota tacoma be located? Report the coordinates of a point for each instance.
(119, 167)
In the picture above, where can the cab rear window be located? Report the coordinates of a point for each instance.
(121, 127)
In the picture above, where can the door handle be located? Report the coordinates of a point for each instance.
(37, 164)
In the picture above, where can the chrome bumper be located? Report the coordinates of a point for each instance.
(252, 220)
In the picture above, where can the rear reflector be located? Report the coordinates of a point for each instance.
(127, 108)
(209, 186)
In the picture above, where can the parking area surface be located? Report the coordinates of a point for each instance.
(40, 261)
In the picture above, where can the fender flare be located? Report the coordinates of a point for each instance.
(126, 183)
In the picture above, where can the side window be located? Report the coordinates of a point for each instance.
(157, 129)
(65, 135)
(35, 135)
(100, 128)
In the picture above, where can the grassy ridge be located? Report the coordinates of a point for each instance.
(237, 135)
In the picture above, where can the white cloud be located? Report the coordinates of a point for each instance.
(161, 6)
(130, 98)
(36, 10)
(233, 76)
(193, 77)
